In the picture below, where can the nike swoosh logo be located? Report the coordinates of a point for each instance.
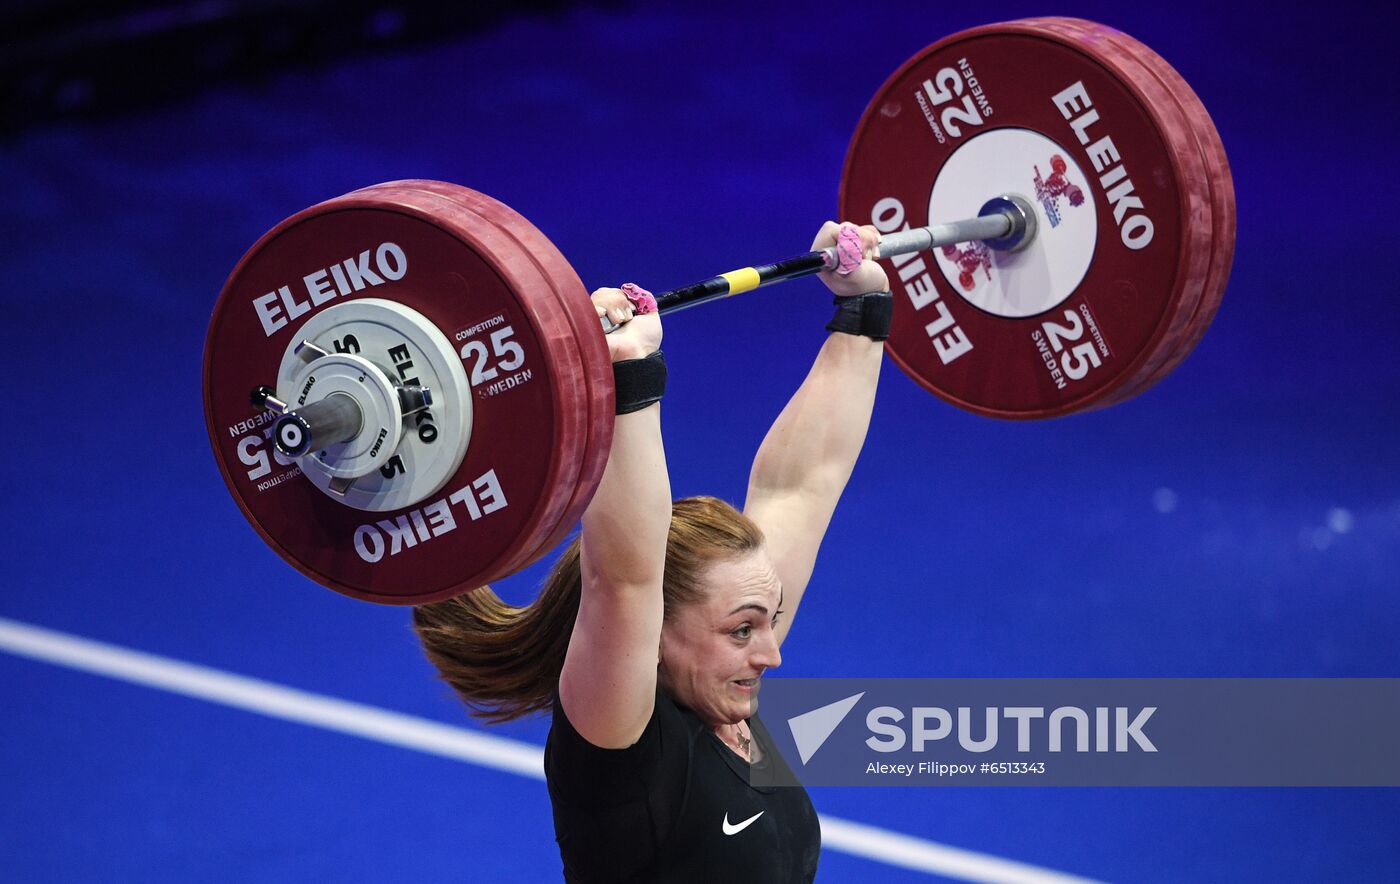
(738, 827)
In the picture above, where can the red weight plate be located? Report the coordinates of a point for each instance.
(1132, 53)
(594, 350)
(584, 465)
(1221, 184)
(600, 392)
(576, 437)
(460, 273)
(1132, 66)
(1064, 324)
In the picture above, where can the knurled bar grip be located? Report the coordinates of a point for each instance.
(1004, 223)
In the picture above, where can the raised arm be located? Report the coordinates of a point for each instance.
(809, 452)
(608, 684)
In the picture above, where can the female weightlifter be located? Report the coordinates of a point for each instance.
(654, 629)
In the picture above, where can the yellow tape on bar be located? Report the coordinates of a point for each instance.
(741, 280)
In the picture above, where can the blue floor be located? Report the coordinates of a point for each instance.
(663, 146)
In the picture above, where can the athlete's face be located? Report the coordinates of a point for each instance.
(713, 652)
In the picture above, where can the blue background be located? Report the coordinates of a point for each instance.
(663, 146)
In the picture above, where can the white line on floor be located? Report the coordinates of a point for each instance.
(461, 744)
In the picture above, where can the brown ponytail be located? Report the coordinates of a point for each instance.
(504, 662)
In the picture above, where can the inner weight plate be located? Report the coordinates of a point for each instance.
(1056, 346)
(474, 287)
(409, 350)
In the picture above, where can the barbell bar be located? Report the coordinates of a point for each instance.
(442, 406)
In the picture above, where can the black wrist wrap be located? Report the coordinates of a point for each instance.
(639, 382)
(866, 315)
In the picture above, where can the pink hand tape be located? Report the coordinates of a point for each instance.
(642, 300)
(848, 250)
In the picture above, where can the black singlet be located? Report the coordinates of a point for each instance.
(676, 805)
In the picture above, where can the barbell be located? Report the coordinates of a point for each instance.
(408, 391)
